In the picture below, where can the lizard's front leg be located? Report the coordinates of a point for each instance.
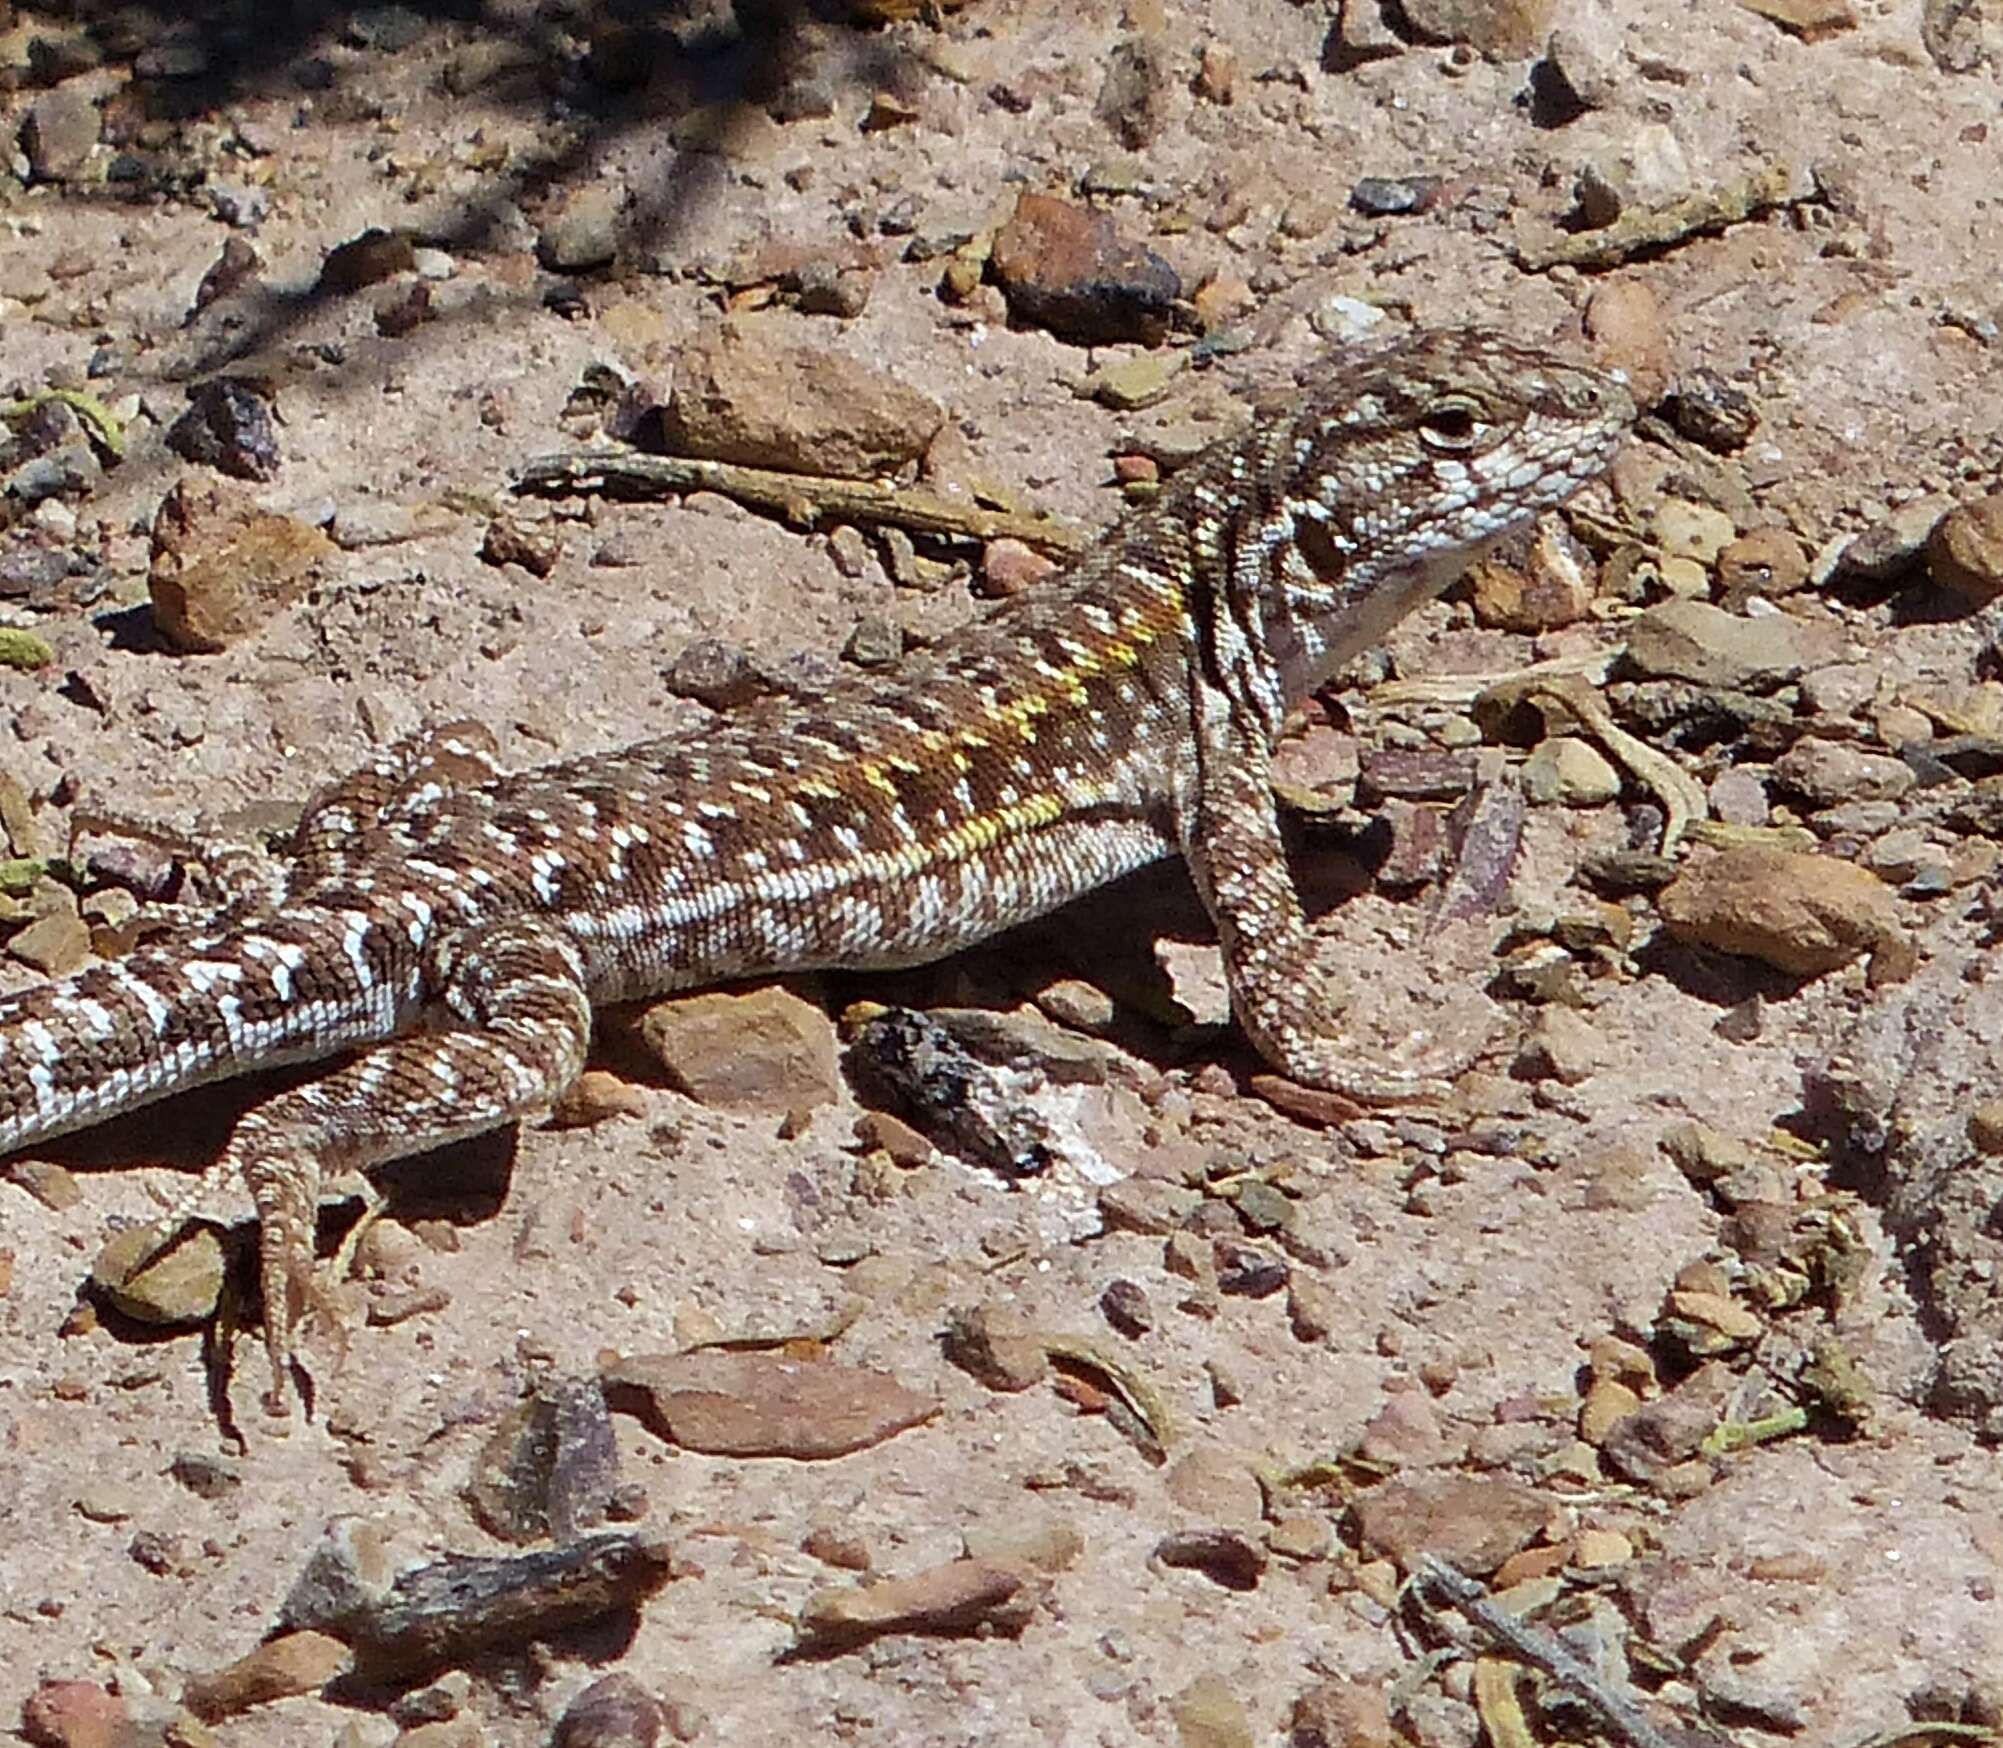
(1231, 839)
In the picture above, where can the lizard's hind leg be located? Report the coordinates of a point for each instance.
(513, 1023)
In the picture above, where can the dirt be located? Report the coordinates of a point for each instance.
(1450, 1279)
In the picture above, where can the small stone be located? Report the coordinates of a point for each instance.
(547, 1471)
(1393, 196)
(755, 394)
(1135, 382)
(1811, 20)
(1552, 588)
(365, 260)
(1985, 1127)
(1071, 270)
(220, 568)
(1708, 410)
(54, 1186)
(1341, 1713)
(1965, 551)
(1565, 771)
(1764, 563)
(1216, 74)
(1313, 1311)
(712, 672)
(1125, 1306)
(228, 426)
(1625, 320)
(1050, 1546)
(960, 1597)
(1501, 30)
(1692, 640)
(876, 642)
(179, 1284)
(1209, 1714)
(766, 1404)
(75, 1714)
(54, 945)
(1133, 95)
(1471, 1522)
(615, 1711)
(1802, 914)
(107, 1502)
(582, 235)
(999, 1346)
(1828, 773)
(761, 1049)
(1682, 529)
(1227, 1557)
(509, 541)
(60, 133)
(1406, 1434)
(1217, 1484)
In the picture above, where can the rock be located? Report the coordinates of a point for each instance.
(752, 394)
(766, 1404)
(221, 568)
(1802, 914)
(761, 1049)
(1406, 1434)
(1811, 20)
(366, 260)
(959, 1597)
(1072, 270)
(1682, 529)
(1340, 1713)
(1217, 1485)
(1692, 640)
(1965, 551)
(178, 1285)
(997, 1345)
(1209, 1714)
(1763, 562)
(583, 233)
(1960, 35)
(1712, 412)
(1828, 773)
(1135, 382)
(1037, 1545)
(431, 1616)
(1552, 588)
(1503, 30)
(228, 426)
(548, 1471)
(712, 672)
(1568, 772)
(75, 1714)
(60, 133)
(1628, 328)
(1473, 1522)
(537, 548)
(294, 1663)
(1009, 566)
(1225, 1556)
(615, 1711)
(54, 945)
(1134, 94)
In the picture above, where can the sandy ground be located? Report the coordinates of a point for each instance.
(1827, 1585)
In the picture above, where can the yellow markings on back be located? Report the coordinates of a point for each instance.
(1017, 718)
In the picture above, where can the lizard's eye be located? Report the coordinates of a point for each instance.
(1453, 424)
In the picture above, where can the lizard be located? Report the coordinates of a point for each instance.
(437, 931)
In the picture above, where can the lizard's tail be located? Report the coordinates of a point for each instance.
(289, 988)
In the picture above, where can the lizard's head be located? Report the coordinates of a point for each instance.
(1402, 465)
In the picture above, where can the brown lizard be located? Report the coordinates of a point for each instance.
(439, 932)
